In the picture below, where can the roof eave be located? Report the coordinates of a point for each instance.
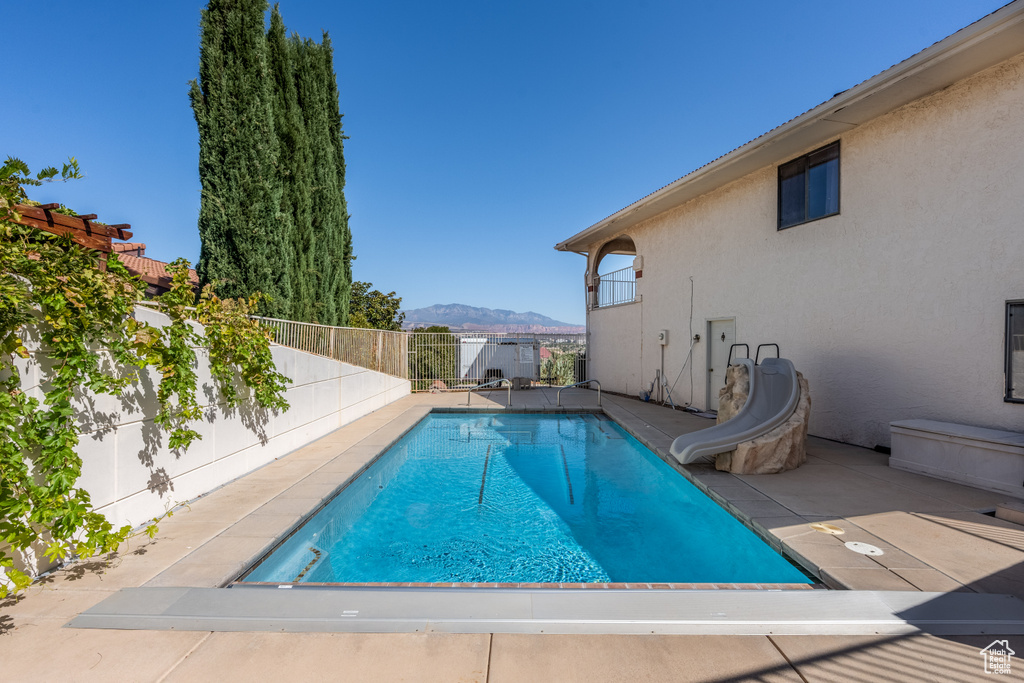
(986, 42)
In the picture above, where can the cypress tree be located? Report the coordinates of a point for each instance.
(271, 162)
(245, 243)
(294, 165)
(317, 90)
(342, 287)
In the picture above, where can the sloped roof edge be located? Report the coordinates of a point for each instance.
(986, 42)
(152, 271)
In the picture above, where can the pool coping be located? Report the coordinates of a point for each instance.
(220, 574)
(768, 539)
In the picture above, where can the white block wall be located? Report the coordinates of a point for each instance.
(133, 476)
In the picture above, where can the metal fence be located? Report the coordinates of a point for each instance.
(379, 350)
(616, 287)
(435, 361)
(462, 360)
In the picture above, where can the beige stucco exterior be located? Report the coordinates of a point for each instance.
(893, 309)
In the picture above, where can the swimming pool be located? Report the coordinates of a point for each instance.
(527, 499)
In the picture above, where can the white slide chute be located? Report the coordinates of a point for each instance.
(772, 399)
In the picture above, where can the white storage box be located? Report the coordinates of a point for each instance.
(989, 459)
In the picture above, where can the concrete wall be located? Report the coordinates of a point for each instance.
(133, 476)
(893, 309)
(615, 350)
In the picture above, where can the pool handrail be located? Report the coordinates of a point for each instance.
(496, 381)
(569, 386)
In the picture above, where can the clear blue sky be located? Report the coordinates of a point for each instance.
(481, 133)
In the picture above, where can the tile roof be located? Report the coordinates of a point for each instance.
(139, 247)
(152, 271)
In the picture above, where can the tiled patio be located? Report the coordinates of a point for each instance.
(934, 534)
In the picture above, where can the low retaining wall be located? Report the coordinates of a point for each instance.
(133, 476)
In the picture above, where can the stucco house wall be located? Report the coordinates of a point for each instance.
(616, 352)
(893, 309)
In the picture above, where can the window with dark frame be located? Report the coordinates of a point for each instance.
(809, 187)
(1014, 352)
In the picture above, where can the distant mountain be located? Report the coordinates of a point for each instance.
(466, 318)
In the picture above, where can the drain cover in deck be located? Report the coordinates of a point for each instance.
(864, 548)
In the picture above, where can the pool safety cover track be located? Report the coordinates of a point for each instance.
(804, 612)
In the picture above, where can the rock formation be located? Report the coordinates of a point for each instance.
(733, 396)
(783, 448)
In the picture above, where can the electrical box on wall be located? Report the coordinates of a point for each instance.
(663, 337)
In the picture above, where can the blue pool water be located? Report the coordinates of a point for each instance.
(523, 498)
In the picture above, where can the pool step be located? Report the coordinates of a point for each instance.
(479, 610)
(317, 554)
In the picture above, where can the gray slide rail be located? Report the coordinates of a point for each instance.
(774, 394)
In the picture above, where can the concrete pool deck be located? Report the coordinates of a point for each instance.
(934, 534)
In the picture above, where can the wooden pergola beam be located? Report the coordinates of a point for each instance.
(82, 228)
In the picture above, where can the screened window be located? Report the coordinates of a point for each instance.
(809, 187)
(1015, 351)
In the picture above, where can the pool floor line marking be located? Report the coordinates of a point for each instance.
(565, 466)
(483, 479)
(309, 566)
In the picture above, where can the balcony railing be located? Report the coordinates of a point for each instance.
(614, 288)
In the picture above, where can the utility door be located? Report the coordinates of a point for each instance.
(721, 336)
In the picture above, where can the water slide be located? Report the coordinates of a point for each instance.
(773, 397)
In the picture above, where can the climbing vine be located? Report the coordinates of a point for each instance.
(75, 309)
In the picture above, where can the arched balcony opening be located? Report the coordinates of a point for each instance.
(615, 279)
